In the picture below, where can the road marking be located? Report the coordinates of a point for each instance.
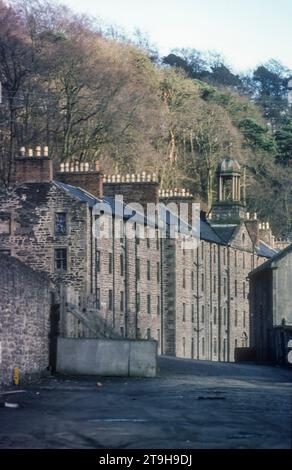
(119, 420)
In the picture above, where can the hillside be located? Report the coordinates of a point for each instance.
(91, 94)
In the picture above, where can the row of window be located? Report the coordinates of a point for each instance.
(244, 344)
(122, 302)
(214, 256)
(215, 316)
(214, 284)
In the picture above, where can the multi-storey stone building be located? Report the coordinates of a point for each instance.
(194, 302)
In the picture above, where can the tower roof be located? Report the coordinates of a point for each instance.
(229, 166)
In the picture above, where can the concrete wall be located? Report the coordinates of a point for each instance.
(119, 358)
(24, 320)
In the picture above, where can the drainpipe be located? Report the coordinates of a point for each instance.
(211, 303)
(126, 286)
(161, 298)
(114, 274)
(219, 304)
(228, 305)
(198, 302)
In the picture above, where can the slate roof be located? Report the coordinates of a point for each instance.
(217, 234)
(78, 193)
(265, 251)
(225, 232)
(268, 264)
(207, 232)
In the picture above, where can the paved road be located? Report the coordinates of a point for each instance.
(191, 405)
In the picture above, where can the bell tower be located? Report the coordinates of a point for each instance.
(230, 207)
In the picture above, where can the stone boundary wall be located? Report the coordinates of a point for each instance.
(24, 321)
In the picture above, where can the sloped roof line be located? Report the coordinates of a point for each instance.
(268, 263)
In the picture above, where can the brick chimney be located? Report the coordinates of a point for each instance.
(135, 188)
(33, 166)
(180, 196)
(82, 175)
(252, 225)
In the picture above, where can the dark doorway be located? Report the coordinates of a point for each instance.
(53, 335)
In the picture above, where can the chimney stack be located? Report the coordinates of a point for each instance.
(82, 175)
(30, 168)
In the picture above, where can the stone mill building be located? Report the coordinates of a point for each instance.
(193, 302)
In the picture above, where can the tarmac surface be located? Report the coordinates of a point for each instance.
(190, 405)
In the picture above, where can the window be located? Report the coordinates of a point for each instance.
(224, 256)
(202, 282)
(184, 347)
(215, 346)
(193, 280)
(193, 313)
(122, 301)
(148, 334)
(203, 314)
(158, 305)
(215, 315)
(214, 254)
(203, 346)
(138, 306)
(184, 279)
(98, 261)
(149, 304)
(138, 269)
(235, 258)
(202, 250)
(157, 239)
(244, 319)
(121, 264)
(225, 316)
(110, 299)
(61, 259)
(148, 271)
(110, 263)
(235, 288)
(214, 284)
(225, 286)
(236, 318)
(122, 234)
(244, 290)
(148, 239)
(60, 223)
(122, 332)
(98, 299)
(184, 313)
(158, 273)
(5, 224)
(243, 260)
(193, 348)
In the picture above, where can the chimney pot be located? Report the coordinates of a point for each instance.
(38, 151)
(97, 165)
(30, 152)
(46, 151)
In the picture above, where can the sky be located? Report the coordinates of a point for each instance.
(246, 32)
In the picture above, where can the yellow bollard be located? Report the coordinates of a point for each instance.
(16, 376)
